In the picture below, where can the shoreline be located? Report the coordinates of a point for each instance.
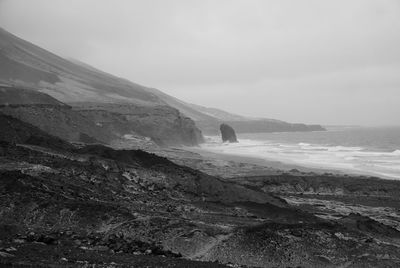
(269, 163)
(274, 166)
(301, 154)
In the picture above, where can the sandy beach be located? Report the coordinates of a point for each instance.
(230, 165)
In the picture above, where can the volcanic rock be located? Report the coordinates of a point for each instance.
(228, 133)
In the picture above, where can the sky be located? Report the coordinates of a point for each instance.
(311, 61)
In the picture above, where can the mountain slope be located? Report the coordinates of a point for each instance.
(219, 114)
(209, 119)
(23, 63)
(26, 65)
(15, 131)
(51, 115)
(11, 96)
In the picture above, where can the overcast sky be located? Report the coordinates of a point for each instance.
(312, 61)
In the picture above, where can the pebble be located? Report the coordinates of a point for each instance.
(100, 248)
(6, 255)
(10, 249)
(39, 243)
(386, 257)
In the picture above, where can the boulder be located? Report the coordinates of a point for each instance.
(228, 133)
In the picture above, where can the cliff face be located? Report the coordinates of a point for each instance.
(90, 123)
(104, 123)
(61, 122)
(50, 115)
(163, 124)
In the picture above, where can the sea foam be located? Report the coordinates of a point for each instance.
(352, 159)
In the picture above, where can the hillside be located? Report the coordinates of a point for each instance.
(101, 205)
(30, 65)
(209, 119)
(11, 96)
(15, 131)
(24, 64)
(51, 116)
(69, 206)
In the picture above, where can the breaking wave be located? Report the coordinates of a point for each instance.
(353, 159)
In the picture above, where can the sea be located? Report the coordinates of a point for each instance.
(358, 150)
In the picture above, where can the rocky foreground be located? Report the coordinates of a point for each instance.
(63, 205)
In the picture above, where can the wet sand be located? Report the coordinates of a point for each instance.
(259, 165)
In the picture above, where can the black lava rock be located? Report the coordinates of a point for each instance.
(228, 133)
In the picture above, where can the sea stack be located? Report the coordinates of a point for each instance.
(228, 133)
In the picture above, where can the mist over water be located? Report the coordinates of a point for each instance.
(369, 151)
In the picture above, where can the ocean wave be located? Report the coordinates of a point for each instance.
(304, 144)
(357, 159)
(396, 152)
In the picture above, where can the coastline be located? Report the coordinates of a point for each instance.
(272, 166)
(276, 164)
(376, 153)
(284, 166)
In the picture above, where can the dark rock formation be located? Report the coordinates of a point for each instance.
(228, 133)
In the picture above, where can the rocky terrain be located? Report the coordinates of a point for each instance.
(63, 204)
(75, 190)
